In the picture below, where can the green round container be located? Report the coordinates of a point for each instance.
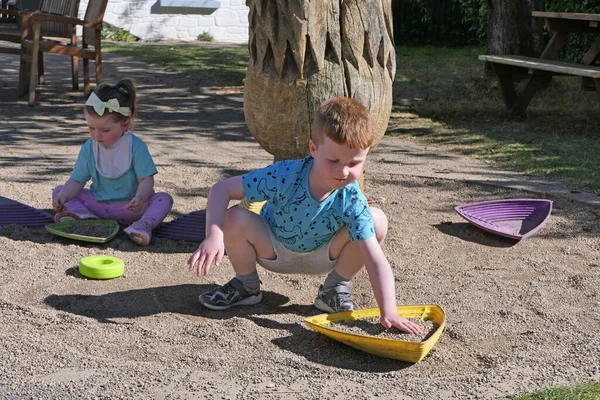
(101, 267)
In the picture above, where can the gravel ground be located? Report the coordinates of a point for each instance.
(520, 315)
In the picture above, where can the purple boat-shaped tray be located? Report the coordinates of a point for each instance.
(515, 218)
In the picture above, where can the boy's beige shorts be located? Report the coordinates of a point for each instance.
(316, 262)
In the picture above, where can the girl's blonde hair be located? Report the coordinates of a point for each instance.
(345, 121)
(124, 91)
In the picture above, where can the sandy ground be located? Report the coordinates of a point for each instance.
(520, 315)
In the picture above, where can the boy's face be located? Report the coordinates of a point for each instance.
(337, 165)
(105, 130)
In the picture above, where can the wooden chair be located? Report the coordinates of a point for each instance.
(37, 43)
(20, 30)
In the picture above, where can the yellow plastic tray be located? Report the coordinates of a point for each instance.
(255, 207)
(390, 348)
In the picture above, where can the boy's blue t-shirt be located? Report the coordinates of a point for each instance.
(114, 190)
(299, 222)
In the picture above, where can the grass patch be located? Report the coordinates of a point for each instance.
(443, 97)
(212, 66)
(583, 391)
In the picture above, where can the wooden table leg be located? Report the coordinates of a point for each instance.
(506, 75)
(590, 58)
(553, 48)
(593, 53)
(534, 82)
(556, 43)
(597, 84)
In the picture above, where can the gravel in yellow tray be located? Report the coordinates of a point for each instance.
(356, 329)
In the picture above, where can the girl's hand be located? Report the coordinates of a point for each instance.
(136, 205)
(58, 203)
(210, 251)
(401, 323)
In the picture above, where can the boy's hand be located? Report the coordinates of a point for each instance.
(210, 250)
(136, 205)
(401, 323)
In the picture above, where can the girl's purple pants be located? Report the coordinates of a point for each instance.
(155, 209)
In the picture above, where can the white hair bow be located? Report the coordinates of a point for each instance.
(101, 106)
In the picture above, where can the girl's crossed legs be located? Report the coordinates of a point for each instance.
(141, 224)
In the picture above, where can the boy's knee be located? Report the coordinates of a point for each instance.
(381, 223)
(235, 219)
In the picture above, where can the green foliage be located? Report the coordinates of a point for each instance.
(582, 6)
(411, 23)
(106, 32)
(206, 37)
(474, 19)
(117, 34)
(122, 35)
(464, 22)
(578, 44)
(458, 22)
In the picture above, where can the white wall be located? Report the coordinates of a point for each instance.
(153, 20)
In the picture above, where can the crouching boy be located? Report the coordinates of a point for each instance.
(315, 220)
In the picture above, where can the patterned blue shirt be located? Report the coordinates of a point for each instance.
(119, 189)
(299, 222)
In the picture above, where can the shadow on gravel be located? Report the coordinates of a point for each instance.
(112, 307)
(470, 233)
(322, 350)
(179, 299)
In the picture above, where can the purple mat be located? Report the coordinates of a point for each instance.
(187, 227)
(13, 212)
(516, 218)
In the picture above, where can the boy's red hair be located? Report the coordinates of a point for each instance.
(345, 121)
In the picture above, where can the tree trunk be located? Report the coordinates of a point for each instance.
(512, 29)
(303, 52)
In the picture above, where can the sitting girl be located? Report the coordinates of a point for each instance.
(119, 166)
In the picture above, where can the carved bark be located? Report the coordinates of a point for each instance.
(512, 29)
(303, 52)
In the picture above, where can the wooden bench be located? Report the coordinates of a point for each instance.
(538, 70)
